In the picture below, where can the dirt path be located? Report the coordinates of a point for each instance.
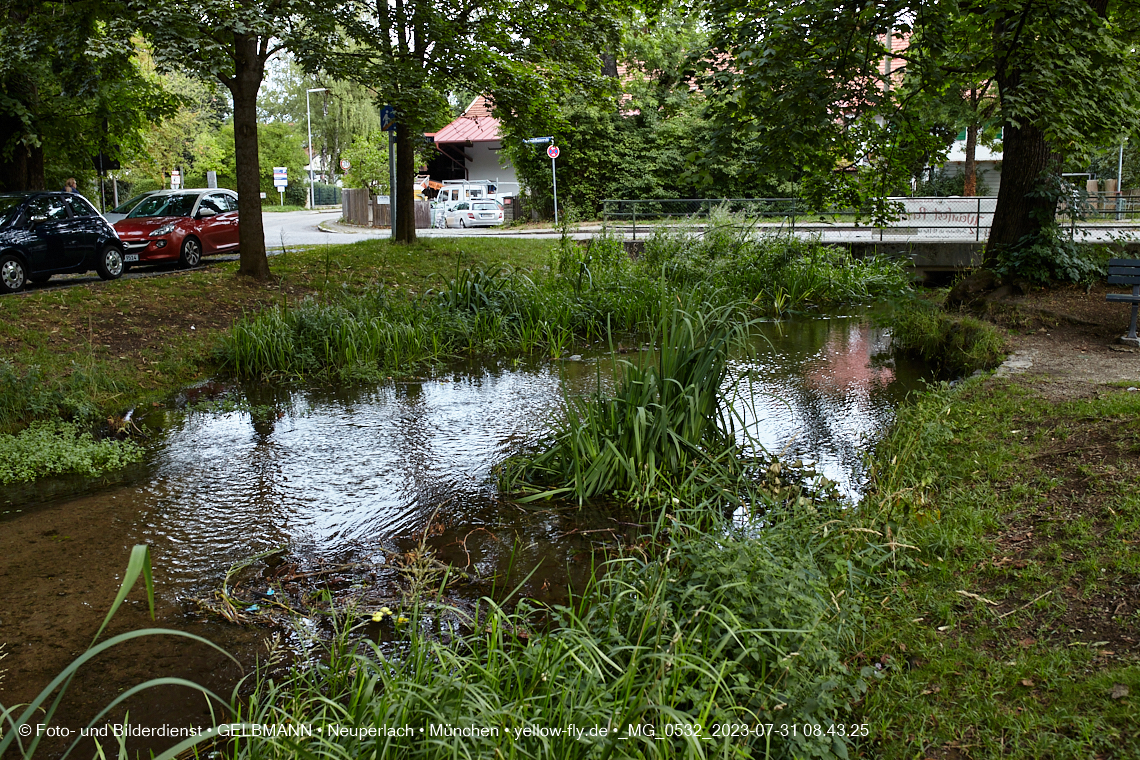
(1068, 339)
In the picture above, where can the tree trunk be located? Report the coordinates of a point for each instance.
(1027, 160)
(249, 69)
(404, 200)
(970, 181)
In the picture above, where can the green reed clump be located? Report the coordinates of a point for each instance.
(664, 419)
(776, 271)
(690, 652)
(55, 447)
(955, 345)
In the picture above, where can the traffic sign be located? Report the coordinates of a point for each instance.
(387, 118)
(552, 151)
(280, 176)
(345, 165)
(175, 179)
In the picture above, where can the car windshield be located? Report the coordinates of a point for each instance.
(124, 208)
(486, 206)
(9, 206)
(165, 205)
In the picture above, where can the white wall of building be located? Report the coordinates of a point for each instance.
(484, 165)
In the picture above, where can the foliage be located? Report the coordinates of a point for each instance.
(633, 137)
(70, 88)
(953, 345)
(667, 417)
(54, 448)
(231, 43)
(368, 163)
(340, 115)
(1064, 89)
(717, 628)
(518, 52)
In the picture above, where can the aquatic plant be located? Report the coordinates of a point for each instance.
(57, 447)
(697, 651)
(954, 345)
(664, 417)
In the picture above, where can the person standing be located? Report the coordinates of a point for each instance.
(70, 186)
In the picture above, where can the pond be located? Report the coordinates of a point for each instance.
(355, 477)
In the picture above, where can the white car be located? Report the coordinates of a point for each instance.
(485, 213)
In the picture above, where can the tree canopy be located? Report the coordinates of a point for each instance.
(70, 87)
(816, 81)
(414, 53)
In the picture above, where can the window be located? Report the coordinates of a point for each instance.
(230, 201)
(215, 203)
(45, 208)
(79, 205)
(165, 205)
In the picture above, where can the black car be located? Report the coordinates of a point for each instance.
(42, 234)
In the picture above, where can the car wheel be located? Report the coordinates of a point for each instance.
(110, 264)
(462, 223)
(39, 279)
(13, 275)
(191, 253)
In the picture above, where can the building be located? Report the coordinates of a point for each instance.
(470, 148)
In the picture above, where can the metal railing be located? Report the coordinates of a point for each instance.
(954, 219)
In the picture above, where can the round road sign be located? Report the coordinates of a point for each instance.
(552, 151)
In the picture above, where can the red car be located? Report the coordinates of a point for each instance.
(180, 225)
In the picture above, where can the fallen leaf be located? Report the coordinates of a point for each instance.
(1119, 691)
(1026, 643)
(1027, 682)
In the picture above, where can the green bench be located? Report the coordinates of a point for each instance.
(1126, 272)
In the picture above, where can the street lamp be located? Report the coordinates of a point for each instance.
(309, 119)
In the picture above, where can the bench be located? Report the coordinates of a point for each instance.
(1126, 272)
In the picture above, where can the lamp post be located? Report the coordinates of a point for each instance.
(309, 119)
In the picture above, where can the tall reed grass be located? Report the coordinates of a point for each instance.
(705, 649)
(583, 295)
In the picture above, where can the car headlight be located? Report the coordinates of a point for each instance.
(165, 229)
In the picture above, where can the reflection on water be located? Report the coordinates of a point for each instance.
(329, 470)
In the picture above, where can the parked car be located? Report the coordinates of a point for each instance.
(44, 234)
(180, 225)
(485, 213)
(118, 213)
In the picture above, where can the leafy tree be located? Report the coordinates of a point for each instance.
(69, 87)
(368, 163)
(342, 113)
(811, 79)
(231, 42)
(414, 53)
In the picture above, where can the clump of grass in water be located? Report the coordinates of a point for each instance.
(953, 345)
(665, 420)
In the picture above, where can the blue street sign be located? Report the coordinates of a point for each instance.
(538, 140)
(387, 118)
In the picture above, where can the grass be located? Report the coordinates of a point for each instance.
(1008, 628)
(953, 344)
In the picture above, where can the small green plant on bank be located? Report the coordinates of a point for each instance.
(54, 448)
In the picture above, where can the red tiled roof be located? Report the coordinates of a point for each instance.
(475, 125)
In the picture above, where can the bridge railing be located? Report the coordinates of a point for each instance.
(934, 218)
